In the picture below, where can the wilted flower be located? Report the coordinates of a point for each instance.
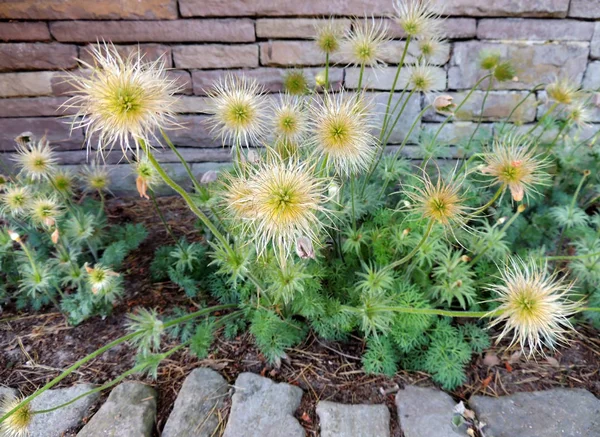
(563, 90)
(305, 248)
(44, 211)
(443, 104)
(534, 305)
(95, 178)
(512, 162)
(441, 202)
(284, 201)
(295, 83)
(328, 36)
(146, 177)
(417, 18)
(37, 161)
(14, 200)
(290, 119)
(239, 110)
(425, 78)
(123, 99)
(342, 132)
(17, 424)
(209, 177)
(365, 43)
(578, 113)
(489, 60)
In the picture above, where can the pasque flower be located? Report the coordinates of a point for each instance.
(17, 424)
(36, 160)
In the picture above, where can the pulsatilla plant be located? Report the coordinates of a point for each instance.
(319, 227)
(55, 249)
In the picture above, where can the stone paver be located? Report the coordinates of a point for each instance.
(195, 413)
(129, 411)
(553, 413)
(339, 420)
(260, 407)
(56, 423)
(426, 412)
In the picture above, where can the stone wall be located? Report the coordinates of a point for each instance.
(201, 39)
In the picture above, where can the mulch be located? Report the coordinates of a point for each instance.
(36, 347)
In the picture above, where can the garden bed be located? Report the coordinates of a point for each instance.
(34, 348)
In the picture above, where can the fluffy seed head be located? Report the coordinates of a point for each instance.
(425, 78)
(44, 211)
(123, 100)
(489, 60)
(431, 46)
(417, 18)
(440, 201)
(295, 83)
(63, 181)
(512, 162)
(95, 178)
(239, 110)
(239, 197)
(100, 278)
(579, 113)
(328, 36)
(563, 90)
(14, 200)
(365, 43)
(286, 201)
(146, 177)
(17, 424)
(534, 305)
(290, 119)
(37, 161)
(342, 126)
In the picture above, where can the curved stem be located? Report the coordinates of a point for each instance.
(414, 251)
(485, 96)
(531, 92)
(542, 118)
(492, 200)
(162, 219)
(326, 71)
(180, 157)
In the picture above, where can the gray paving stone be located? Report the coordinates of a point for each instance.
(195, 413)
(7, 392)
(339, 420)
(552, 413)
(56, 423)
(129, 411)
(263, 408)
(426, 412)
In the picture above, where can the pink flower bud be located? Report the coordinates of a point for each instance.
(304, 248)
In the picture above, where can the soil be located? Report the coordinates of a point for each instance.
(34, 348)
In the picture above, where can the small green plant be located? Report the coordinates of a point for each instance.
(55, 248)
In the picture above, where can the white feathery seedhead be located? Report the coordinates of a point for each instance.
(365, 44)
(123, 100)
(417, 18)
(36, 161)
(290, 119)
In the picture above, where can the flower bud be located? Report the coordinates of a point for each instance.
(405, 232)
(14, 236)
(304, 248)
(465, 258)
(333, 190)
(320, 79)
(501, 220)
(142, 187)
(443, 103)
(55, 236)
(208, 177)
(522, 207)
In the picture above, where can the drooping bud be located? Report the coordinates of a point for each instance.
(443, 104)
(14, 236)
(465, 258)
(304, 248)
(208, 177)
(142, 187)
(501, 220)
(405, 232)
(55, 236)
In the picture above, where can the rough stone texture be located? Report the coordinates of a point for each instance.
(426, 412)
(383, 78)
(56, 130)
(591, 80)
(78, 10)
(195, 133)
(504, 8)
(293, 28)
(584, 9)
(7, 392)
(412, 109)
(453, 133)
(452, 28)
(271, 79)
(263, 408)
(193, 105)
(37, 56)
(315, 8)
(534, 63)
(26, 84)
(150, 52)
(544, 105)
(338, 420)
(216, 56)
(552, 413)
(24, 31)
(196, 410)
(535, 30)
(183, 79)
(129, 411)
(154, 31)
(34, 107)
(56, 423)
(595, 45)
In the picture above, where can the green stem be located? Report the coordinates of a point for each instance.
(180, 157)
(488, 246)
(164, 222)
(414, 251)
(560, 131)
(542, 118)
(531, 92)
(430, 311)
(578, 190)
(326, 71)
(485, 96)
(492, 200)
(360, 77)
(352, 195)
